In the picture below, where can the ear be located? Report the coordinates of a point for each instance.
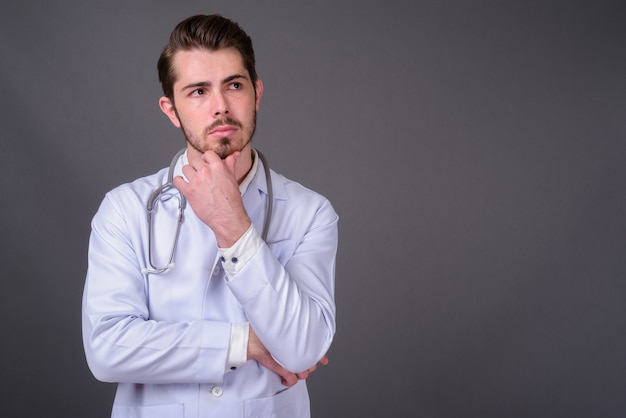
(169, 109)
(259, 93)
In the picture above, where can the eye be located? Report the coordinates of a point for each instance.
(198, 92)
(235, 86)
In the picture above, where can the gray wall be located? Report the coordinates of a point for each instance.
(473, 149)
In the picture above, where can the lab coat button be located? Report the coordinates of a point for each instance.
(216, 271)
(217, 391)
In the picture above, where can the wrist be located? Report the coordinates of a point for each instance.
(229, 236)
(235, 257)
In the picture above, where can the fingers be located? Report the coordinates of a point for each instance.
(197, 161)
(190, 171)
(289, 379)
(258, 352)
(305, 374)
(208, 170)
(230, 162)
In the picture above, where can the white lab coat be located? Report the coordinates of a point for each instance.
(165, 337)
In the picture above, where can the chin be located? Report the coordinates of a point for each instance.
(225, 148)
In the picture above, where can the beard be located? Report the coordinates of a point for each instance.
(225, 146)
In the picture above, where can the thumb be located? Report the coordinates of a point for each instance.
(231, 163)
(288, 378)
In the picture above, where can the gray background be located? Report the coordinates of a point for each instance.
(473, 149)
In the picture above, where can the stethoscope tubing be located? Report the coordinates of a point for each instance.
(182, 204)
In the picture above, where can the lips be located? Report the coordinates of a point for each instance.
(223, 131)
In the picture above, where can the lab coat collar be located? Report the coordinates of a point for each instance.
(259, 182)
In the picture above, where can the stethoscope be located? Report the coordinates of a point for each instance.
(158, 194)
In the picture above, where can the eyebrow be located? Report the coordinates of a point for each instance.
(207, 83)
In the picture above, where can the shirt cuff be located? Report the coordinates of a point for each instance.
(236, 257)
(238, 348)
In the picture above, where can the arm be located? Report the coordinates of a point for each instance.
(123, 343)
(287, 292)
(122, 340)
(258, 352)
(286, 289)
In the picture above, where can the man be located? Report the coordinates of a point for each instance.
(233, 324)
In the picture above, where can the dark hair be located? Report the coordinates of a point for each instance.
(210, 32)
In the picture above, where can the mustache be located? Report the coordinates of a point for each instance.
(222, 122)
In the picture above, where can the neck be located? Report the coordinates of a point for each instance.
(244, 164)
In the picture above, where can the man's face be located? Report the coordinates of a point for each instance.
(214, 100)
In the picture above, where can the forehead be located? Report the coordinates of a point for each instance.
(207, 65)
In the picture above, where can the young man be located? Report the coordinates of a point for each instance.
(213, 320)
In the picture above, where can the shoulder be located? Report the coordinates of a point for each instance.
(140, 187)
(295, 196)
(129, 196)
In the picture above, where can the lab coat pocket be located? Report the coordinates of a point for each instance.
(283, 250)
(149, 411)
(290, 403)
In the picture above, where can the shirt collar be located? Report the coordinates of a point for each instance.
(243, 186)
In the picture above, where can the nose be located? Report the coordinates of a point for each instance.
(220, 105)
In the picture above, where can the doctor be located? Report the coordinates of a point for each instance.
(234, 328)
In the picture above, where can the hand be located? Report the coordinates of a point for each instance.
(305, 374)
(213, 193)
(258, 352)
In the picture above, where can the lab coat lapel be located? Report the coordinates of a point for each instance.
(254, 198)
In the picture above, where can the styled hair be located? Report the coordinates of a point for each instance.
(211, 32)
